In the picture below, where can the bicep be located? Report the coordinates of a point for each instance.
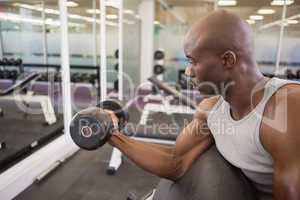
(191, 136)
(197, 131)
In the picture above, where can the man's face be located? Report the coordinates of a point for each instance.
(206, 69)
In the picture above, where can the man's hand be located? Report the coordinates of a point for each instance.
(114, 118)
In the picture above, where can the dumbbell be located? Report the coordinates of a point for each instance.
(116, 54)
(57, 77)
(75, 77)
(92, 78)
(11, 61)
(116, 85)
(298, 74)
(158, 69)
(13, 74)
(116, 67)
(6, 74)
(159, 55)
(19, 61)
(91, 128)
(5, 61)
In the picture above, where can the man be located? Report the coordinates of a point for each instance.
(252, 119)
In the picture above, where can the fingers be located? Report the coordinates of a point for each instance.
(114, 118)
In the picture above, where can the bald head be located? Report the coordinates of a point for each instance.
(218, 32)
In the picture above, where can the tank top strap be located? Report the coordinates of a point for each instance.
(269, 90)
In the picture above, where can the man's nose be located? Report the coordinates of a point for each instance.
(189, 71)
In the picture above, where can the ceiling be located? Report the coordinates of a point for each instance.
(191, 10)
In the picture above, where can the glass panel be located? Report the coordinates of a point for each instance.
(290, 54)
(82, 44)
(31, 116)
(170, 29)
(131, 45)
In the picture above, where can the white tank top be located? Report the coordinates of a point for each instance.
(239, 141)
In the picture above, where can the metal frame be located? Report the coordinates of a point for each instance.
(94, 34)
(45, 44)
(103, 66)
(1, 43)
(120, 58)
(65, 66)
(281, 34)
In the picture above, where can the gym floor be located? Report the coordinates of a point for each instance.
(26, 128)
(83, 176)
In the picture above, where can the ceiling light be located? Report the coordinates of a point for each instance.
(93, 11)
(129, 22)
(227, 2)
(110, 16)
(111, 23)
(266, 11)
(112, 3)
(256, 17)
(281, 2)
(292, 21)
(51, 11)
(130, 12)
(73, 16)
(27, 6)
(137, 16)
(72, 4)
(156, 22)
(250, 21)
(88, 19)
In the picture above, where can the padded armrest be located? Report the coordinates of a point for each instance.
(211, 177)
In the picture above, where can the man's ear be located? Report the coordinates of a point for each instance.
(229, 59)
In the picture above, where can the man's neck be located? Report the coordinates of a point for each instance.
(239, 94)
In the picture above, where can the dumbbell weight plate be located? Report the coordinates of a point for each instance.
(158, 69)
(11, 61)
(116, 85)
(91, 128)
(117, 107)
(117, 54)
(5, 61)
(159, 55)
(116, 67)
(19, 61)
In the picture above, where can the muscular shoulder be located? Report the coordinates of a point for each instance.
(205, 106)
(285, 100)
(279, 130)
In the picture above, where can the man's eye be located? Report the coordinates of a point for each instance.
(190, 61)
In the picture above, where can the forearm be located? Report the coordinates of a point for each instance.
(156, 159)
(163, 161)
